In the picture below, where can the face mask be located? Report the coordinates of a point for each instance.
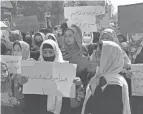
(38, 43)
(50, 59)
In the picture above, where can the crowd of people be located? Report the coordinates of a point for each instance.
(103, 78)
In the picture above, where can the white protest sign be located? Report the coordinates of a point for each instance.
(83, 16)
(137, 79)
(46, 78)
(67, 72)
(13, 63)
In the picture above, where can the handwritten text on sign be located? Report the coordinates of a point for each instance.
(46, 78)
(137, 79)
(83, 16)
(13, 63)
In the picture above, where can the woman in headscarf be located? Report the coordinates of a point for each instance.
(110, 35)
(37, 104)
(50, 52)
(43, 104)
(123, 42)
(36, 42)
(73, 50)
(28, 39)
(6, 91)
(107, 92)
(51, 36)
(20, 48)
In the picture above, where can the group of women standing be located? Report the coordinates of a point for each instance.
(100, 86)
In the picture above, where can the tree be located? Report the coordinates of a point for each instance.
(38, 8)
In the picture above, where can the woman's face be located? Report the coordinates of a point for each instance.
(106, 37)
(38, 40)
(17, 51)
(4, 72)
(48, 54)
(69, 37)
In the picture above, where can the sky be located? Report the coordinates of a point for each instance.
(124, 2)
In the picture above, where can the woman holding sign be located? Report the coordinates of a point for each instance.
(43, 104)
(107, 92)
(20, 48)
(74, 52)
(6, 91)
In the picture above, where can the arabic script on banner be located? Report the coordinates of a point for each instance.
(83, 16)
(49, 78)
(137, 79)
(13, 63)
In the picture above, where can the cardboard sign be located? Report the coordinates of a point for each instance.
(46, 78)
(83, 16)
(137, 79)
(13, 63)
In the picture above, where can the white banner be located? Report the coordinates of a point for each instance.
(83, 16)
(137, 79)
(46, 78)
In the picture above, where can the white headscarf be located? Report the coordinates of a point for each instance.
(111, 63)
(52, 35)
(25, 49)
(54, 103)
(113, 35)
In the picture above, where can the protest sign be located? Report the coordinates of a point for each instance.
(137, 79)
(46, 78)
(13, 63)
(67, 72)
(135, 44)
(83, 16)
(103, 21)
